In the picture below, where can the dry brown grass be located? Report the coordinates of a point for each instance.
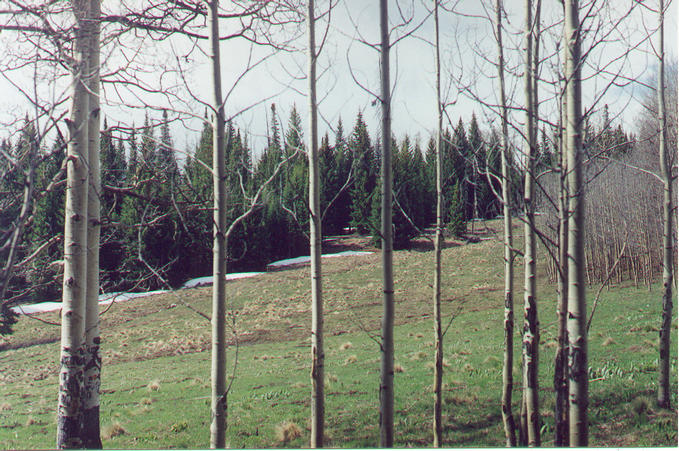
(30, 421)
(112, 430)
(287, 431)
(608, 341)
(154, 385)
(351, 359)
(420, 355)
(345, 346)
(398, 368)
(5, 406)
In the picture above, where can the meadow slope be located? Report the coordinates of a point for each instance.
(156, 387)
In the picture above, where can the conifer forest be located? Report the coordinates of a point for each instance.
(499, 178)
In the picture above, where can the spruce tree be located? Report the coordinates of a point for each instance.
(365, 176)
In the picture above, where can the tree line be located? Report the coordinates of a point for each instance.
(156, 210)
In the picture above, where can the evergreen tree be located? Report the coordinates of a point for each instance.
(165, 158)
(335, 164)
(365, 176)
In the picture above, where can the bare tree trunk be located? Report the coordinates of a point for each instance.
(531, 336)
(387, 364)
(666, 174)
(92, 360)
(69, 410)
(561, 356)
(315, 238)
(577, 308)
(218, 372)
(438, 244)
(508, 361)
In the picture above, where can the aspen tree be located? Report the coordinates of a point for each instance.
(438, 244)
(508, 360)
(531, 335)
(577, 333)
(667, 260)
(92, 360)
(387, 359)
(315, 237)
(69, 408)
(218, 370)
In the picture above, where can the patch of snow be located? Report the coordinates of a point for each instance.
(104, 299)
(202, 281)
(107, 298)
(36, 308)
(307, 258)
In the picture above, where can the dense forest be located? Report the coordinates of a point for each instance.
(156, 211)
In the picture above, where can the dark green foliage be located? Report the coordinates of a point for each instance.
(457, 224)
(409, 188)
(365, 176)
(158, 214)
(335, 168)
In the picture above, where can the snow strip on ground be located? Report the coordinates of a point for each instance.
(307, 258)
(104, 299)
(200, 281)
(107, 298)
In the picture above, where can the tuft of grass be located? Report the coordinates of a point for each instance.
(640, 406)
(608, 341)
(345, 346)
(398, 368)
(419, 355)
(287, 431)
(146, 401)
(468, 367)
(112, 430)
(550, 344)
(5, 406)
(30, 421)
(491, 360)
(154, 385)
(179, 427)
(351, 359)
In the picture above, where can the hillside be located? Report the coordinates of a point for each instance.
(155, 380)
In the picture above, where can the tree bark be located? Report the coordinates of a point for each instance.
(531, 335)
(315, 238)
(666, 174)
(577, 308)
(438, 244)
(387, 351)
(71, 376)
(218, 371)
(561, 355)
(508, 360)
(92, 360)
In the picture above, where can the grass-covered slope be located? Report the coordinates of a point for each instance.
(155, 390)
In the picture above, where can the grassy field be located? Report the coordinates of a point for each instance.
(156, 383)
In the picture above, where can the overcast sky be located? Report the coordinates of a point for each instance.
(463, 39)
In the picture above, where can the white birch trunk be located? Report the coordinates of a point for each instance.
(219, 251)
(508, 360)
(315, 236)
(666, 174)
(577, 333)
(69, 410)
(387, 361)
(92, 361)
(438, 244)
(531, 336)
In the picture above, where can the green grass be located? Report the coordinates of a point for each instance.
(156, 376)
